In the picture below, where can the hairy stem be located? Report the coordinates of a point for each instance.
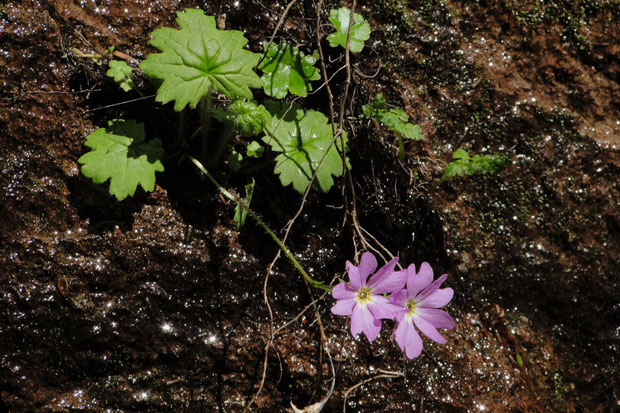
(259, 221)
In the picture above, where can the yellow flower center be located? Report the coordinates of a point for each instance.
(411, 307)
(363, 295)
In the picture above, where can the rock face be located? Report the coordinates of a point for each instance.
(156, 303)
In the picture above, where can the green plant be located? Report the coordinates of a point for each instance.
(360, 30)
(120, 154)
(304, 139)
(191, 64)
(466, 164)
(288, 69)
(395, 119)
(198, 59)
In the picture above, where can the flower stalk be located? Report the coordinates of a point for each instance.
(261, 223)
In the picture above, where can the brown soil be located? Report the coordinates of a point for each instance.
(156, 303)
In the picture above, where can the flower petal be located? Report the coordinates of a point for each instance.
(400, 334)
(380, 307)
(416, 282)
(368, 265)
(354, 276)
(431, 288)
(437, 299)
(438, 318)
(414, 343)
(344, 307)
(386, 280)
(408, 338)
(428, 329)
(363, 320)
(399, 298)
(356, 320)
(343, 292)
(372, 330)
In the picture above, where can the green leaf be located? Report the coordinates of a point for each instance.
(397, 120)
(241, 213)
(121, 72)
(519, 360)
(247, 117)
(255, 149)
(118, 70)
(489, 164)
(302, 138)
(198, 58)
(460, 154)
(288, 69)
(465, 164)
(412, 131)
(120, 154)
(360, 31)
(454, 169)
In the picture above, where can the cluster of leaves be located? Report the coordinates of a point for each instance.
(288, 69)
(198, 59)
(395, 119)
(464, 164)
(246, 117)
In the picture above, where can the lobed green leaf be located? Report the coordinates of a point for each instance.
(198, 58)
(120, 154)
(121, 72)
(302, 138)
(360, 30)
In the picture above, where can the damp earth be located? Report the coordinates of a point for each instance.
(156, 303)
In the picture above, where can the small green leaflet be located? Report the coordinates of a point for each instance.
(198, 58)
(119, 153)
(465, 164)
(360, 31)
(396, 120)
(240, 212)
(121, 72)
(302, 138)
(459, 166)
(288, 69)
(255, 150)
(247, 117)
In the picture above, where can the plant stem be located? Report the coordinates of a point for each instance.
(241, 202)
(205, 116)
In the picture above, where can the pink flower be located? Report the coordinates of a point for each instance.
(362, 299)
(421, 299)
